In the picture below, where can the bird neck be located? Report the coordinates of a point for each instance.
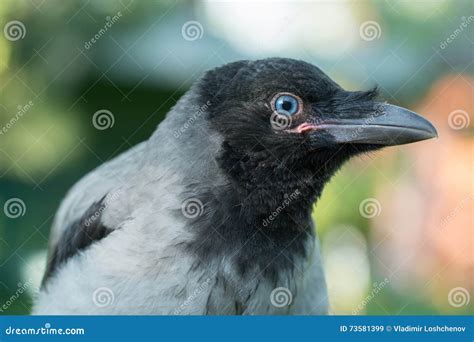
(261, 217)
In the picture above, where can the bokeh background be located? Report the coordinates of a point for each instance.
(396, 226)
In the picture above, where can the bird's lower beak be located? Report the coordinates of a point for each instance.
(388, 125)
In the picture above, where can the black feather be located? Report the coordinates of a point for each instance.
(78, 236)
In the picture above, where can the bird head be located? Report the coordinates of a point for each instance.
(286, 115)
(270, 135)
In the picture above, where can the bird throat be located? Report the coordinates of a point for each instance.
(261, 219)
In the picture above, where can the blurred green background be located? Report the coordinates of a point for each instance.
(396, 227)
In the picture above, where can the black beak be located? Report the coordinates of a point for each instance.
(388, 125)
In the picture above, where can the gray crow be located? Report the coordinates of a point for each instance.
(212, 215)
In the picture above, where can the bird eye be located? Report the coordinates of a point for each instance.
(286, 104)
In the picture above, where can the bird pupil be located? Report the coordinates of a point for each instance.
(286, 105)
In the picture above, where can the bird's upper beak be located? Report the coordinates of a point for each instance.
(388, 125)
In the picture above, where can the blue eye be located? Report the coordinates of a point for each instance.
(286, 104)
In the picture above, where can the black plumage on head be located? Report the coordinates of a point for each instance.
(265, 164)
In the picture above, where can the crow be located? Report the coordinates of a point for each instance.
(212, 214)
